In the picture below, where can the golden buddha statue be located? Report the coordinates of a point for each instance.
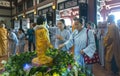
(42, 43)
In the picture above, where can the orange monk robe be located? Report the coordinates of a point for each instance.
(3, 41)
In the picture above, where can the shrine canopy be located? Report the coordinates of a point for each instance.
(108, 6)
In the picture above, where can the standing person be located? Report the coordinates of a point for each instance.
(13, 42)
(69, 28)
(79, 39)
(91, 26)
(62, 35)
(52, 32)
(100, 36)
(21, 37)
(31, 37)
(112, 48)
(118, 24)
(3, 40)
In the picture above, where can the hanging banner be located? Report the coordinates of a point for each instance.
(4, 3)
(25, 24)
(16, 25)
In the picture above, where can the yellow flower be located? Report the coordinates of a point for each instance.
(63, 69)
(47, 75)
(82, 75)
(38, 74)
(55, 74)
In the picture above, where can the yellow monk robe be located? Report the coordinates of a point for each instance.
(3, 41)
(42, 44)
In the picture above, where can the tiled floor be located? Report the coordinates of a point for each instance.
(100, 71)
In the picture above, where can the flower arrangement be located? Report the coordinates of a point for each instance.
(15, 64)
(63, 65)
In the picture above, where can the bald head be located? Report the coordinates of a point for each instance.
(111, 19)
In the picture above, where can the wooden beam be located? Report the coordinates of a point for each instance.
(35, 7)
(4, 15)
(44, 3)
(11, 11)
(7, 8)
(38, 5)
(112, 2)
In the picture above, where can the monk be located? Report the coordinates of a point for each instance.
(42, 43)
(3, 40)
(112, 48)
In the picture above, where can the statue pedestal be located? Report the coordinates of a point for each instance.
(39, 61)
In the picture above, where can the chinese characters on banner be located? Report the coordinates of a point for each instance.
(16, 24)
(25, 24)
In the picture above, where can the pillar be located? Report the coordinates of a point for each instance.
(35, 11)
(92, 11)
(54, 7)
(11, 13)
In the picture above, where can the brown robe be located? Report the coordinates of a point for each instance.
(112, 46)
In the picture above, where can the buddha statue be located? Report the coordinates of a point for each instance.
(42, 43)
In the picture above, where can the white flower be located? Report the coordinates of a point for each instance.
(3, 62)
(5, 74)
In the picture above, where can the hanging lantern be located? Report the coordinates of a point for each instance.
(54, 6)
(35, 12)
(16, 18)
(23, 16)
